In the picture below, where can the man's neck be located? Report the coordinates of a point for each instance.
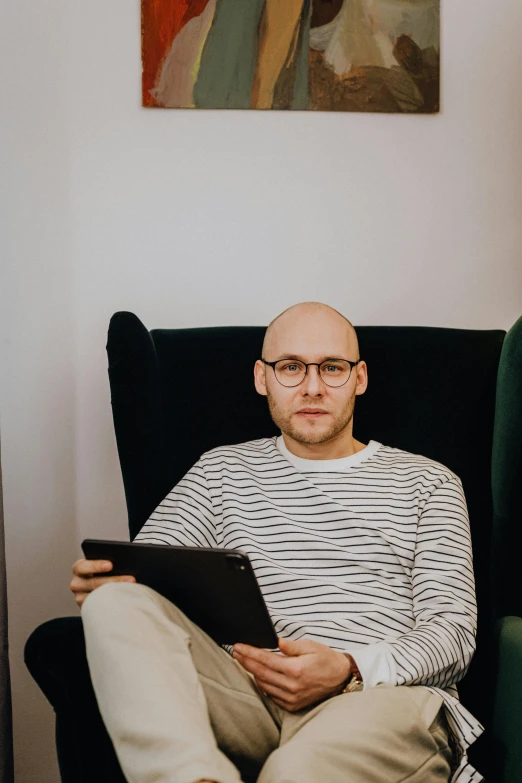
(328, 450)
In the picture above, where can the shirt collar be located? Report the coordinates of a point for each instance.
(319, 465)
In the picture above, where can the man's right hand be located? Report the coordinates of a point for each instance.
(88, 575)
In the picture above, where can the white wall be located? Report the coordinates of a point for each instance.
(211, 218)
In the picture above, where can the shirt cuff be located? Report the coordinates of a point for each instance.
(376, 664)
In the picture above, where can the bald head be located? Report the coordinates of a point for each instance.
(312, 332)
(310, 328)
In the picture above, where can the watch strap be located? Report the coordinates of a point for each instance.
(355, 680)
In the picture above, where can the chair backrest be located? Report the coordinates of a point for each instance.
(177, 393)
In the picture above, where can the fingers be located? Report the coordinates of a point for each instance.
(85, 567)
(86, 585)
(81, 588)
(281, 696)
(272, 661)
(86, 578)
(269, 676)
(91, 584)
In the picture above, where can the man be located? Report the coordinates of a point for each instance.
(363, 555)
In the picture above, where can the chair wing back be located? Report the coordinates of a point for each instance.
(176, 393)
(505, 477)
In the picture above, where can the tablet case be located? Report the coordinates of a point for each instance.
(216, 588)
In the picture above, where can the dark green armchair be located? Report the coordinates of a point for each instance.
(454, 395)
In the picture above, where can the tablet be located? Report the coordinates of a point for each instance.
(216, 588)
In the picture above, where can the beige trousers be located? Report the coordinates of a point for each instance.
(179, 708)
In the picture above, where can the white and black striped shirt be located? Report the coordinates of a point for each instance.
(369, 554)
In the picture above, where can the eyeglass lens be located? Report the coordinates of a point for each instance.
(291, 372)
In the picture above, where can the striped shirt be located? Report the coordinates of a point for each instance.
(369, 554)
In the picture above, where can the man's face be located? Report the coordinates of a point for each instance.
(284, 409)
(311, 340)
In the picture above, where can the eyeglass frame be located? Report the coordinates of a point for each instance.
(315, 364)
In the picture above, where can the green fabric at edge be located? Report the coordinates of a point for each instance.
(507, 721)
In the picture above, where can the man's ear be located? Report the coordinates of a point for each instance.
(362, 378)
(260, 378)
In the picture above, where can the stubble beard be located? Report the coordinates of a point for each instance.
(307, 432)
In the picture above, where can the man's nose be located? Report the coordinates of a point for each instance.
(312, 381)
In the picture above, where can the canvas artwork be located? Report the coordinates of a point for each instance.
(319, 55)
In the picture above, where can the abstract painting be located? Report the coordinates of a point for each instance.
(319, 55)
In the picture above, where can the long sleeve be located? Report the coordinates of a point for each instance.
(439, 649)
(185, 517)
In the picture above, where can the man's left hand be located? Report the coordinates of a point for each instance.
(307, 672)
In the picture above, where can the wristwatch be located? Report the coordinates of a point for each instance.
(354, 681)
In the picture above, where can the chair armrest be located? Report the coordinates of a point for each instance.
(507, 713)
(55, 655)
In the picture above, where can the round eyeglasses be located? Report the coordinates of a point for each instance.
(292, 372)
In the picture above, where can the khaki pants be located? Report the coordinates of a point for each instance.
(179, 708)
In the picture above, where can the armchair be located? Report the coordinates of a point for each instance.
(454, 395)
